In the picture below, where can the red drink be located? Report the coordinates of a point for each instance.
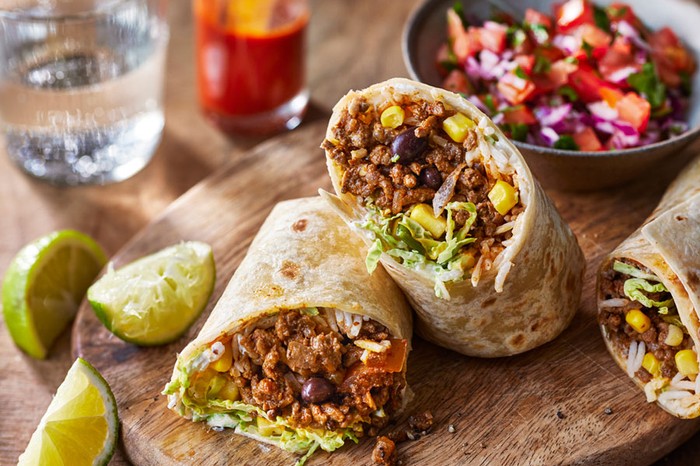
(250, 63)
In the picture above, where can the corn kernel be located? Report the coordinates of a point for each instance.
(223, 364)
(392, 117)
(503, 196)
(675, 335)
(467, 261)
(638, 320)
(423, 214)
(687, 362)
(457, 126)
(651, 364)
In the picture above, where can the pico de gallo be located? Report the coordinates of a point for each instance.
(587, 78)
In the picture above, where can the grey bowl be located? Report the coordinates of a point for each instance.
(555, 168)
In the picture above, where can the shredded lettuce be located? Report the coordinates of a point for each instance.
(373, 255)
(405, 239)
(632, 271)
(247, 419)
(635, 287)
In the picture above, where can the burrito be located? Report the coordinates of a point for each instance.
(303, 349)
(648, 296)
(448, 205)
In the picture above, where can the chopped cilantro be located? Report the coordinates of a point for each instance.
(520, 73)
(572, 60)
(395, 158)
(542, 64)
(647, 83)
(516, 36)
(540, 32)
(588, 48)
(488, 101)
(459, 9)
(617, 11)
(518, 131)
(601, 18)
(566, 142)
(686, 83)
(568, 92)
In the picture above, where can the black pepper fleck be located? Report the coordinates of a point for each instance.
(561, 415)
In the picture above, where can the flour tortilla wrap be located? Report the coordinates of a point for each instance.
(668, 246)
(302, 259)
(526, 295)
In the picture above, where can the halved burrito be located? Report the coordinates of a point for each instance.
(448, 205)
(649, 296)
(303, 349)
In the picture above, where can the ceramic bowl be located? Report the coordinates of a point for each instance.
(426, 30)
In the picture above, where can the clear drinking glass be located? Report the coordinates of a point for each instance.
(81, 84)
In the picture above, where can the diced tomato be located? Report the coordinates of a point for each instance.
(519, 114)
(573, 13)
(559, 72)
(587, 140)
(587, 84)
(593, 35)
(618, 57)
(549, 52)
(535, 17)
(393, 359)
(525, 62)
(670, 56)
(457, 81)
(493, 36)
(635, 110)
(463, 43)
(622, 12)
(514, 89)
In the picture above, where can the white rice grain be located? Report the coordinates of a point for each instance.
(631, 357)
(613, 302)
(673, 395)
(505, 227)
(501, 276)
(684, 385)
(697, 385)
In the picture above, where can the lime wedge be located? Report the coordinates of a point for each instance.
(154, 300)
(44, 286)
(80, 426)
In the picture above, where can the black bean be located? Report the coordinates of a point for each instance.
(430, 177)
(317, 390)
(408, 147)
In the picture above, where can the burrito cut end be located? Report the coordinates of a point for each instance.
(303, 350)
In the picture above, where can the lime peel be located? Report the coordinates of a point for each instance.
(44, 285)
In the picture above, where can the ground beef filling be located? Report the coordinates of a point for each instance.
(623, 334)
(305, 371)
(363, 147)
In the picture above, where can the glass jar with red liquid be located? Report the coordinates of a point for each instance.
(251, 63)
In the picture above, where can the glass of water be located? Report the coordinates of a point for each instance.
(81, 85)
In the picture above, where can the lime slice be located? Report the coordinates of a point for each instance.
(155, 299)
(44, 286)
(80, 426)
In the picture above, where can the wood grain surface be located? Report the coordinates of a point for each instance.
(350, 45)
(547, 406)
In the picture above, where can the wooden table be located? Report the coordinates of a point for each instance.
(348, 48)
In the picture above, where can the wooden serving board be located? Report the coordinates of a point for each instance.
(564, 403)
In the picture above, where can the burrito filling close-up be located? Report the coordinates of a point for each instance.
(640, 319)
(301, 378)
(432, 200)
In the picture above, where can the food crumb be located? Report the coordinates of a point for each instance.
(482, 445)
(421, 422)
(384, 452)
(608, 411)
(451, 429)
(560, 414)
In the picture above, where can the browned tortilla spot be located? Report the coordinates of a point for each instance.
(299, 225)
(517, 340)
(289, 270)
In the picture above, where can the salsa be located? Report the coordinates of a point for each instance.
(248, 67)
(585, 78)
